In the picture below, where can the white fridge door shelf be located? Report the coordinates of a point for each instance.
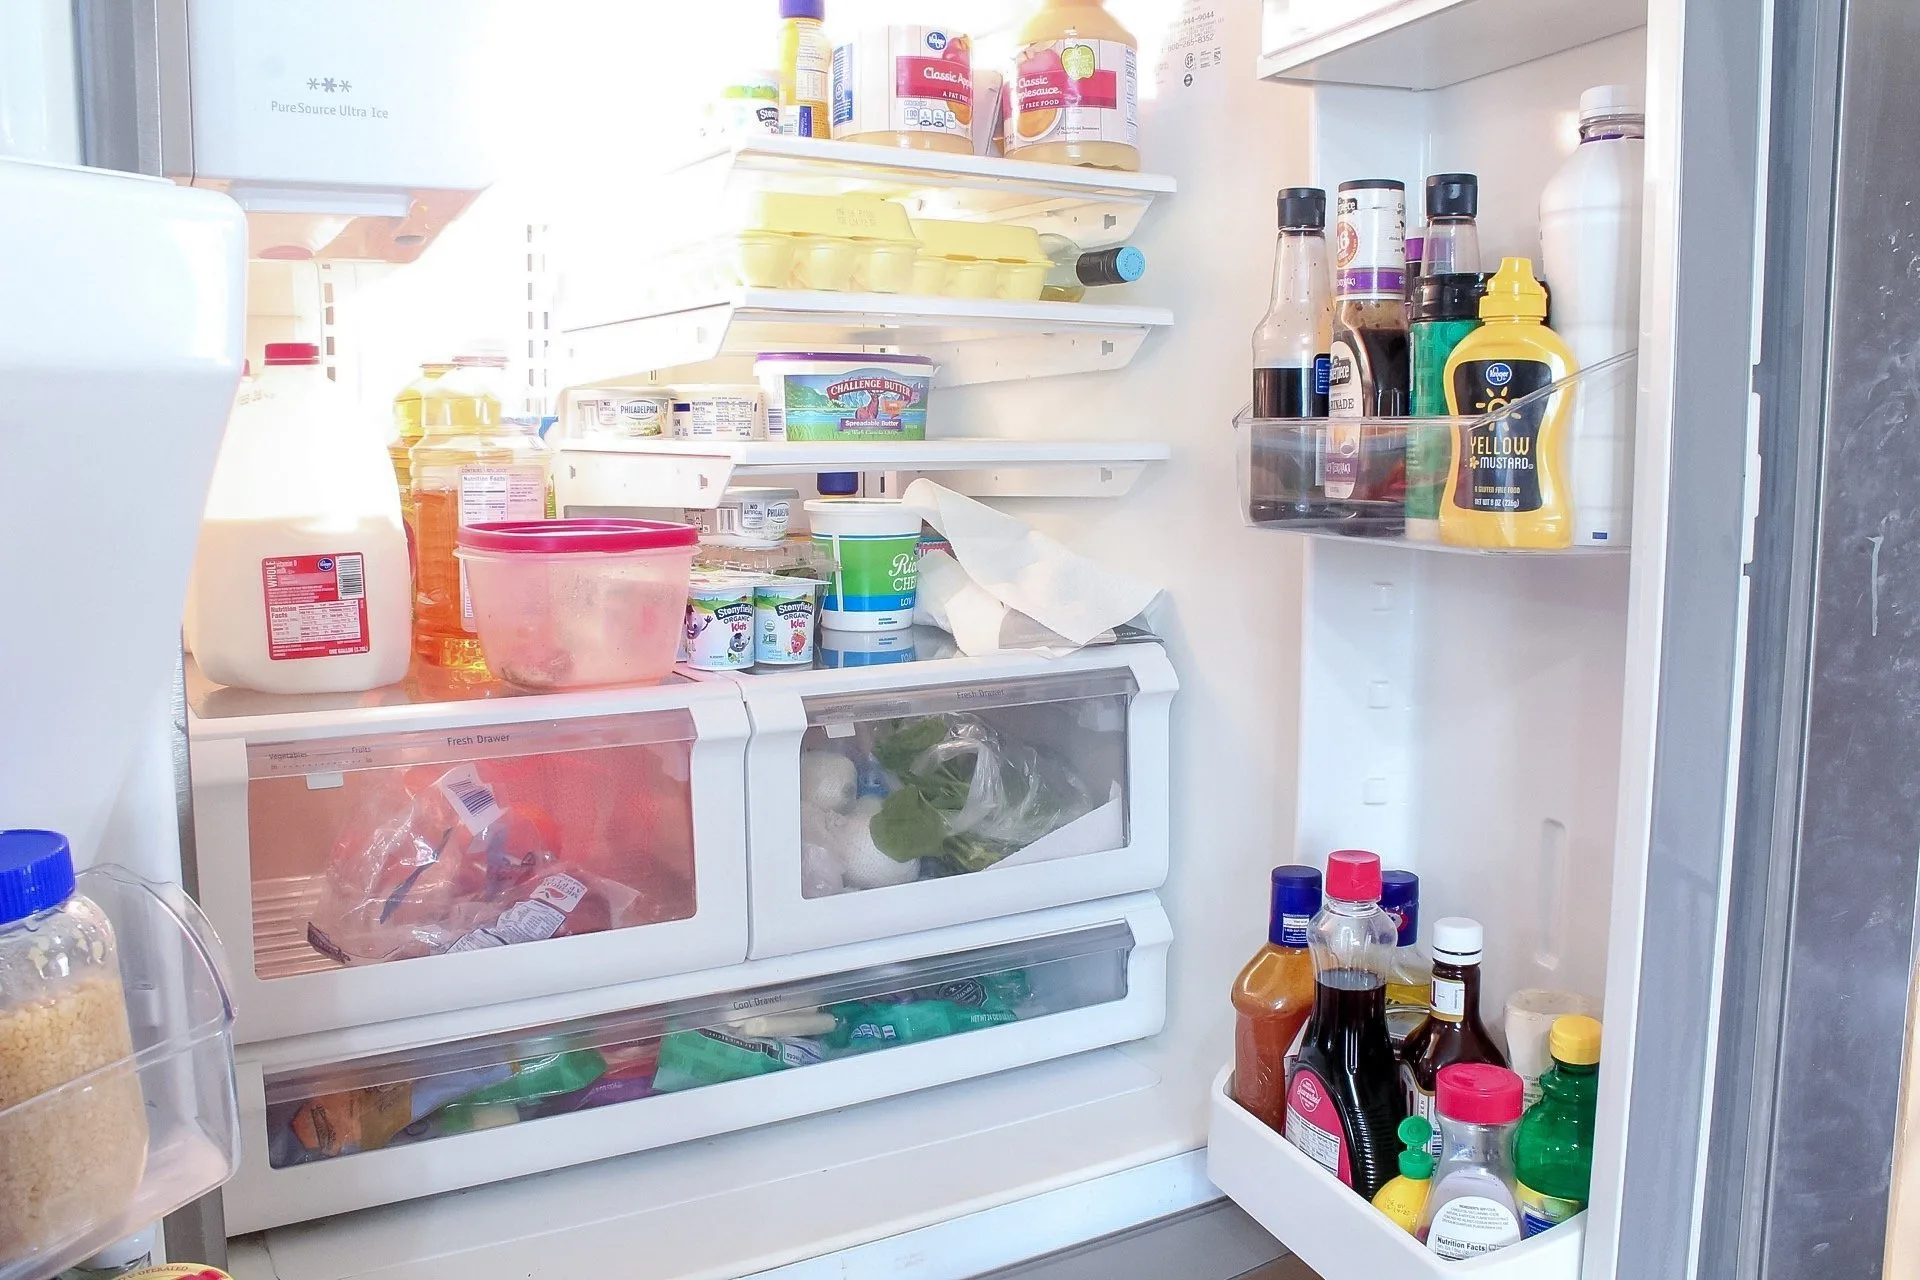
(695, 473)
(972, 340)
(1429, 44)
(1337, 1233)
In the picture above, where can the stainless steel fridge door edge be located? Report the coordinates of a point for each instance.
(1707, 81)
(1820, 969)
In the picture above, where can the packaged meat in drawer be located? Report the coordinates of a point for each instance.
(892, 799)
(347, 1120)
(372, 863)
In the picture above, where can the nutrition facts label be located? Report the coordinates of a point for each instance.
(316, 606)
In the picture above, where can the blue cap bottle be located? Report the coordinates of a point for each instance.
(36, 873)
(1400, 898)
(1296, 900)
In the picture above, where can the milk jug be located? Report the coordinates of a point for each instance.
(301, 583)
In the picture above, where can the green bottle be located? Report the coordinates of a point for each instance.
(1553, 1147)
(1446, 308)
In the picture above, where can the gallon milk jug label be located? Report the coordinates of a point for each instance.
(1500, 460)
(316, 605)
(1541, 1212)
(1471, 1226)
(1074, 91)
(1313, 1125)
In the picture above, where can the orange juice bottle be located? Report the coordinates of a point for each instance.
(1074, 97)
(471, 467)
(408, 427)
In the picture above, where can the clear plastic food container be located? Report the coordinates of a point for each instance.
(113, 1113)
(578, 604)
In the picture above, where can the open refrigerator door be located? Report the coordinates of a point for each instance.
(120, 349)
(641, 936)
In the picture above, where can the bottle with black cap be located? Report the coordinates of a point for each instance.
(1453, 238)
(1290, 359)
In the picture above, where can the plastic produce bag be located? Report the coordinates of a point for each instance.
(458, 869)
(967, 796)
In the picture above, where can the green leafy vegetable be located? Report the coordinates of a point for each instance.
(907, 827)
(906, 741)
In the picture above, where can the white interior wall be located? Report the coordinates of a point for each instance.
(1461, 714)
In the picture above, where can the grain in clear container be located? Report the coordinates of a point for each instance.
(73, 1127)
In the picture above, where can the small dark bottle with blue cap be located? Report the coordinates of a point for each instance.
(69, 1157)
(1273, 996)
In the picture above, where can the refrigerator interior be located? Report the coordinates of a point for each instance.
(1459, 714)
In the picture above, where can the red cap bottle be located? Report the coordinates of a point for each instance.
(1353, 875)
(1479, 1093)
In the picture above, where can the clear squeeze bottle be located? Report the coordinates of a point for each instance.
(1343, 1097)
(1290, 363)
(1273, 996)
(1472, 1208)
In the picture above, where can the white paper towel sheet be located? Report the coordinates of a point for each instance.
(1008, 587)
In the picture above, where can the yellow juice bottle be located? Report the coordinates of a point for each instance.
(1507, 488)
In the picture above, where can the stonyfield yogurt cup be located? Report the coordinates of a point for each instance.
(871, 548)
(720, 622)
(784, 611)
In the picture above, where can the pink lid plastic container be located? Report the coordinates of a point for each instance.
(578, 604)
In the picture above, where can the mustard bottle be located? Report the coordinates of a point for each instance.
(1404, 1197)
(1507, 488)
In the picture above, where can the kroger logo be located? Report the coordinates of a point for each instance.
(1499, 375)
(326, 564)
(936, 40)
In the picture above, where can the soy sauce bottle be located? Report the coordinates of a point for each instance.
(1344, 1101)
(1369, 375)
(1453, 1031)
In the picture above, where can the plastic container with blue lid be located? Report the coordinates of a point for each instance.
(63, 1016)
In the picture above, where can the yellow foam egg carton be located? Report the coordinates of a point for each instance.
(978, 260)
(836, 243)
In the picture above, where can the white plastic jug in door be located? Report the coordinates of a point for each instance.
(1590, 249)
(301, 583)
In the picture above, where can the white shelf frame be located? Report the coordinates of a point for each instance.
(1430, 44)
(972, 340)
(1333, 1230)
(1092, 207)
(694, 474)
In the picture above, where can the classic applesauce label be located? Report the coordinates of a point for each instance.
(1074, 91)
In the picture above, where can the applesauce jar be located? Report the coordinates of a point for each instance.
(1074, 96)
(905, 85)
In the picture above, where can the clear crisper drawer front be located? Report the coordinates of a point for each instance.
(371, 850)
(903, 786)
(645, 1056)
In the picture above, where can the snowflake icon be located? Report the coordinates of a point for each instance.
(313, 84)
(346, 86)
(329, 84)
